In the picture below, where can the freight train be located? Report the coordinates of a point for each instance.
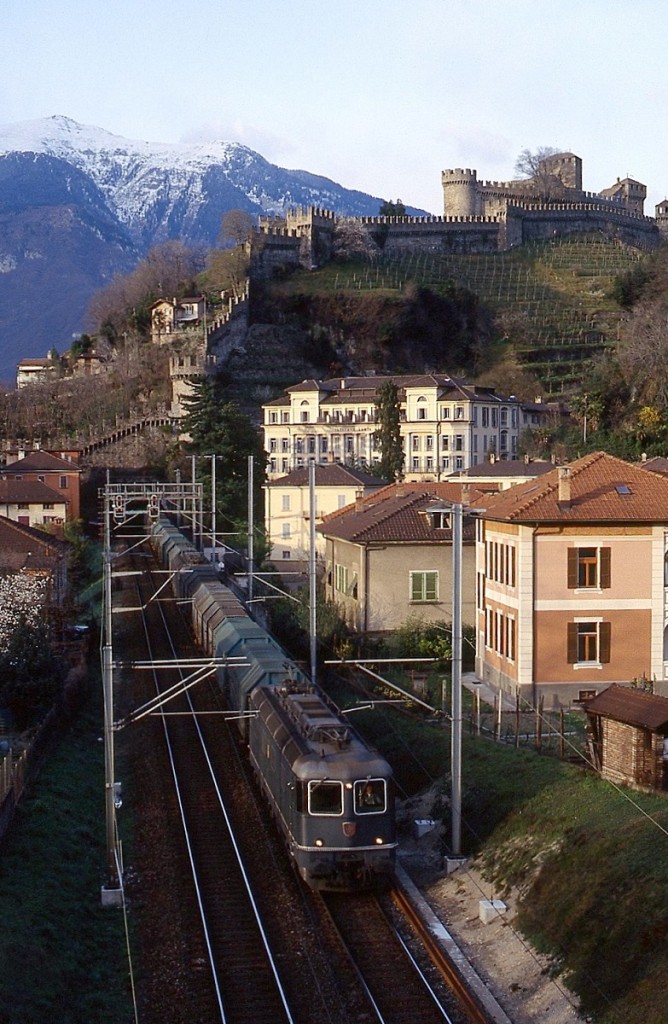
(330, 794)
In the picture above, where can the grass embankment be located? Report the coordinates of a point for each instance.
(62, 956)
(589, 859)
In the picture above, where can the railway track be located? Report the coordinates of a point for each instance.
(245, 984)
(291, 968)
(401, 985)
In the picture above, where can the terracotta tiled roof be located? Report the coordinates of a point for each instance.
(333, 475)
(396, 514)
(29, 491)
(657, 464)
(602, 489)
(505, 468)
(635, 707)
(22, 547)
(40, 460)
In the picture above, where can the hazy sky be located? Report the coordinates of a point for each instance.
(379, 96)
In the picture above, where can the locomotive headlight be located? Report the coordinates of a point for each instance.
(378, 841)
(319, 842)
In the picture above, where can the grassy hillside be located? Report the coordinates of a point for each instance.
(550, 300)
(589, 859)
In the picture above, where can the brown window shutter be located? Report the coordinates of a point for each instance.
(572, 654)
(605, 628)
(604, 564)
(572, 568)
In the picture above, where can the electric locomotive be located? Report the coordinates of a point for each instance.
(331, 796)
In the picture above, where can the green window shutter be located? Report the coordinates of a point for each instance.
(572, 568)
(430, 586)
(605, 629)
(416, 586)
(604, 568)
(572, 651)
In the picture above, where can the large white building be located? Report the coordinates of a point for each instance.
(446, 424)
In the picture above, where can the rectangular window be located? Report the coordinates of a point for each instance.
(370, 796)
(588, 568)
(416, 464)
(341, 501)
(445, 412)
(273, 444)
(273, 417)
(459, 442)
(459, 462)
(424, 586)
(485, 417)
(589, 643)
(511, 640)
(285, 502)
(325, 797)
(415, 442)
(47, 504)
(285, 530)
(285, 444)
(63, 483)
(341, 583)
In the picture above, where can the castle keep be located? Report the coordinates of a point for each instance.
(478, 217)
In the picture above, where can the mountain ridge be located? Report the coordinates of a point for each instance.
(123, 197)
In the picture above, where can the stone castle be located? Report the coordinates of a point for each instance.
(478, 217)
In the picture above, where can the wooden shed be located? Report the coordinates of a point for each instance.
(629, 736)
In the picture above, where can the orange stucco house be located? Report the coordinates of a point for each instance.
(572, 591)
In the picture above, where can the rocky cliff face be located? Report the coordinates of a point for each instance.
(78, 205)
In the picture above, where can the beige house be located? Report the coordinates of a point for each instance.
(446, 424)
(388, 559)
(288, 507)
(32, 503)
(58, 473)
(173, 316)
(572, 590)
(34, 371)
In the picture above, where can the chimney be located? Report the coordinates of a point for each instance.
(466, 493)
(359, 501)
(564, 485)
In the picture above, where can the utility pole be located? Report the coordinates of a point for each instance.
(112, 894)
(311, 572)
(456, 744)
(251, 513)
(213, 508)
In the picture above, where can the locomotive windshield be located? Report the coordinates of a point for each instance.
(370, 796)
(325, 797)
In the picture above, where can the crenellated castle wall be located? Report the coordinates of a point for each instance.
(479, 217)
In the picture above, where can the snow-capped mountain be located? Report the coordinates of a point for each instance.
(159, 190)
(79, 205)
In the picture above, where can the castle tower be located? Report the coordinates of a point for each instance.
(460, 193)
(661, 213)
(567, 167)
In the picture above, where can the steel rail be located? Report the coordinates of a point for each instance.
(235, 846)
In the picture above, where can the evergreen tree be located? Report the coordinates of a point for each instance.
(388, 434)
(218, 427)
